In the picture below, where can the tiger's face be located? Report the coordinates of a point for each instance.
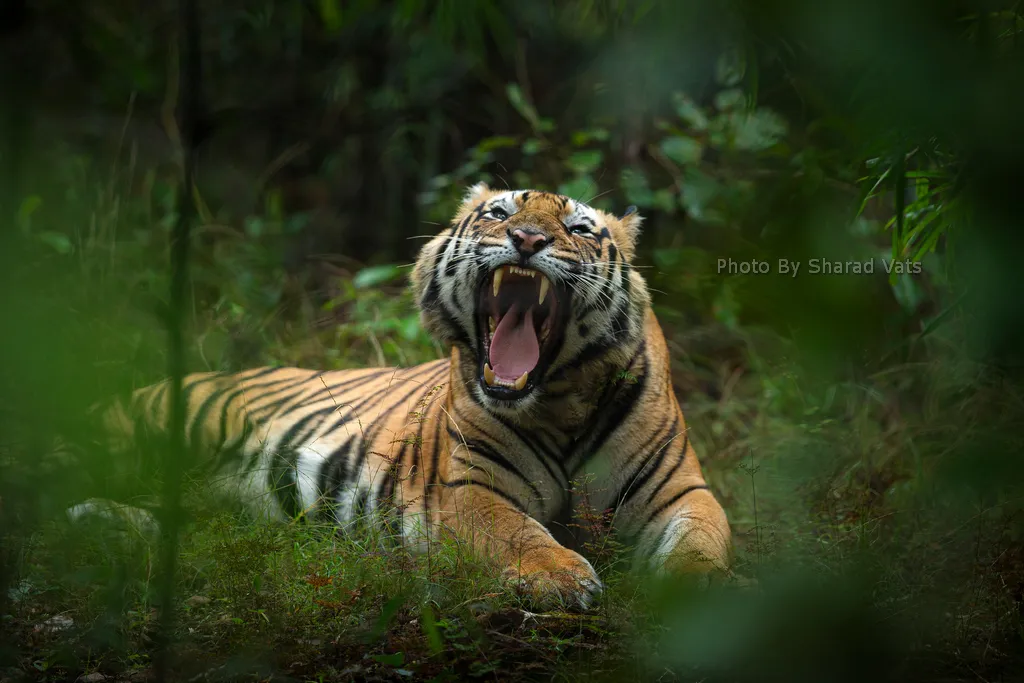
(530, 285)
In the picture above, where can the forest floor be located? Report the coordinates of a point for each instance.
(866, 570)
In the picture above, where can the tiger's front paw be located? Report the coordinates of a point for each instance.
(556, 578)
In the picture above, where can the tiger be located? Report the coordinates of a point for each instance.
(558, 372)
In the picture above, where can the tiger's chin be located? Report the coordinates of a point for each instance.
(521, 318)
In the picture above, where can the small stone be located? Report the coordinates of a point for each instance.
(197, 601)
(94, 677)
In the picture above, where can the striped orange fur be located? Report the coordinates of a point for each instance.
(454, 447)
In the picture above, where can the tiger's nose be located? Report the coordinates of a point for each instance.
(527, 241)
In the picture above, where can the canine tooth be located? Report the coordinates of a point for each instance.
(498, 274)
(488, 374)
(491, 324)
(544, 284)
(521, 382)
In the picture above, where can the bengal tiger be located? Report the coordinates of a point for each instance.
(558, 373)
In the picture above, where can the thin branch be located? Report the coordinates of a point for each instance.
(189, 116)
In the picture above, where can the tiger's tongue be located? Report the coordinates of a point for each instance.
(514, 345)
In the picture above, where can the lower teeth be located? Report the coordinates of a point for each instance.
(493, 381)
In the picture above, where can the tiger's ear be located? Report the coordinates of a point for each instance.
(474, 195)
(477, 193)
(630, 230)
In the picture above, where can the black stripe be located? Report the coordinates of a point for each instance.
(281, 479)
(672, 501)
(281, 408)
(417, 463)
(262, 372)
(619, 403)
(668, 475)
(590, 352)
(334, 473)
(449, 268)
(448, 319)
(346, 385)
(497, 458)
(225, 409)
(325, 412)
(547, 457)
(606, 289)
(200, 415)
(647, 468)
(493, 489)
(188, 389)
(619, 325)
(626, 282)
(231, 454)
(435, 471)
(195, 421)
(386, 501)
(158, 394)
(586, 309)
(361, 507)
(374, 429)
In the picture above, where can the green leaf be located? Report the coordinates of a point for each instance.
(532, 146)
(689, 112)
(758, 130)
(411, 328)
(578, 188)
(683, 151)
(667, 258)
(330, 14)
(430, 630)
(274, 208)
(497, 142)
(907, 291)
(254, 226)
(725, 307)
(376, 275)
(582, 137)
(28, 207)
(699, 193)
(58, 240)
(634, 185)
(525, 109)
(732, 98)
(730, 68)
(585, 161)
(665, 200)
(396, 659)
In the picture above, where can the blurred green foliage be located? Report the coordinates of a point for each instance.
(863, 431)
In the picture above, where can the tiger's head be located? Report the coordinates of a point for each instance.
(530, 286)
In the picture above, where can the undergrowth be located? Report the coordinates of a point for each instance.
(844, 508)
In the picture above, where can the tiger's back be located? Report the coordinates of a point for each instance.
(331, 446)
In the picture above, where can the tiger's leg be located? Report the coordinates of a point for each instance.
(496, 526)
(678, 525)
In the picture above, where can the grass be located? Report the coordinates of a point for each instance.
(877, 509)
(842, 509)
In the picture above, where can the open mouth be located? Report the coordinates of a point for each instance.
(522, 318)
